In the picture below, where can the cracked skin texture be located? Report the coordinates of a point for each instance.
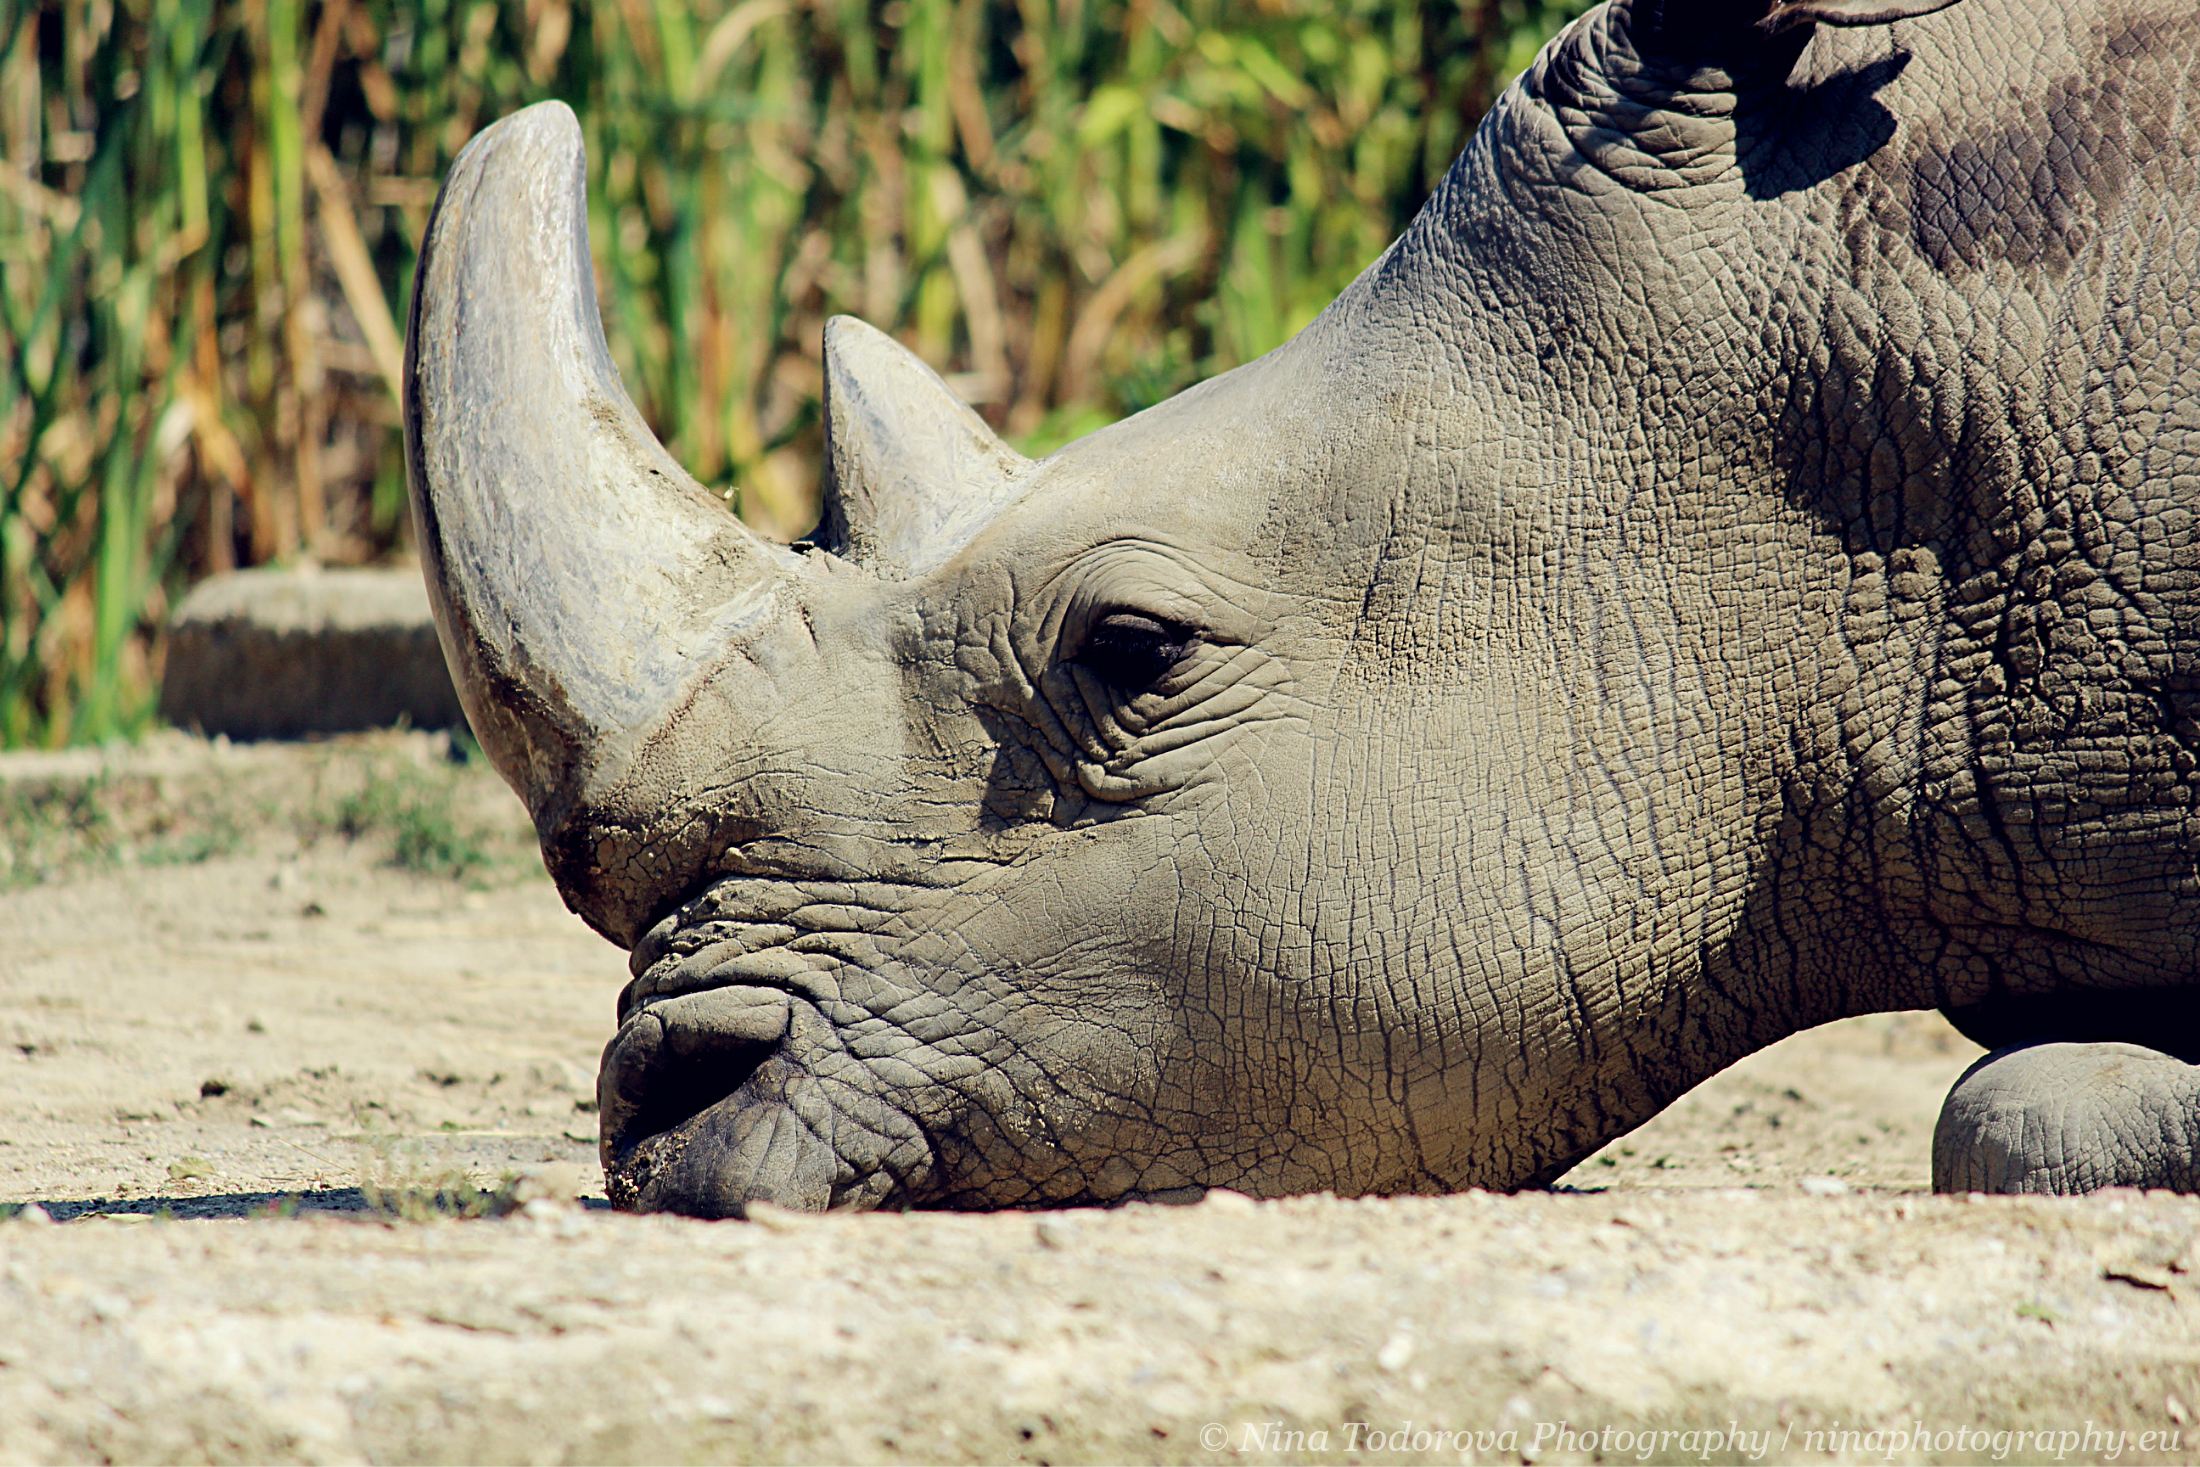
(1731, 565)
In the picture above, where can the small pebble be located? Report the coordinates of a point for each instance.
(1392, 1357)
(771, 1216)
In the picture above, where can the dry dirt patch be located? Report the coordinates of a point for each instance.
(329, 981)
(230, 972)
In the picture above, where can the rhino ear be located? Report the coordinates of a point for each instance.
(1787, 14)
(1681, 27)
(911, 473)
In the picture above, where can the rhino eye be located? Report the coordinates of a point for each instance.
(1133, 651)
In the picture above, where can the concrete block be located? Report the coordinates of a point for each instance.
(270, 654)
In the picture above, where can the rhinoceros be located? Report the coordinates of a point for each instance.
(1730, 565)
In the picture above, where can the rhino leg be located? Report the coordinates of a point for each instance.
(2069, 1118)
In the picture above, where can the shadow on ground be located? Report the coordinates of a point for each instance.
(341, 1200)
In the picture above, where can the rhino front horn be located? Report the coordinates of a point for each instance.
(580, 578)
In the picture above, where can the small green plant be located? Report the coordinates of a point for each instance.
(47, 830)
(446, 1195)
(414, 811)
(217, 834)
(54, 829)
(399, 1186)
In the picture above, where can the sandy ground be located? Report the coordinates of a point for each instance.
(275, 1019)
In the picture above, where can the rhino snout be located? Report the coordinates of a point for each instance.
(711, 1101)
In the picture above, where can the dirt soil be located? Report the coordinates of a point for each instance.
(297, 1049)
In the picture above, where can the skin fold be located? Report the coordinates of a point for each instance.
(1730, 566)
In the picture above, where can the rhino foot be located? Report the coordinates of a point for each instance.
(2070, 1118)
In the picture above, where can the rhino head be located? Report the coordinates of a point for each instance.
(1401, 763)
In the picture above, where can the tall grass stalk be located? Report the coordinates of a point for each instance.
(209, 211)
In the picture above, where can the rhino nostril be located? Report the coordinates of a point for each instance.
(678, 1089)
(679, 1057)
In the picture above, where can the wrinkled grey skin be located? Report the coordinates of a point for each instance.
(1731, 565)
(2054, 1117)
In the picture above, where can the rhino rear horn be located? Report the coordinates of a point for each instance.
(911, 473)
(580, 578)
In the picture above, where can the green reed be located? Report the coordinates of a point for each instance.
(1073, 208)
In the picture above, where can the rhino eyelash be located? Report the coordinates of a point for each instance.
(1133, 650)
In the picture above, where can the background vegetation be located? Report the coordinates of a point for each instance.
(209, 208)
